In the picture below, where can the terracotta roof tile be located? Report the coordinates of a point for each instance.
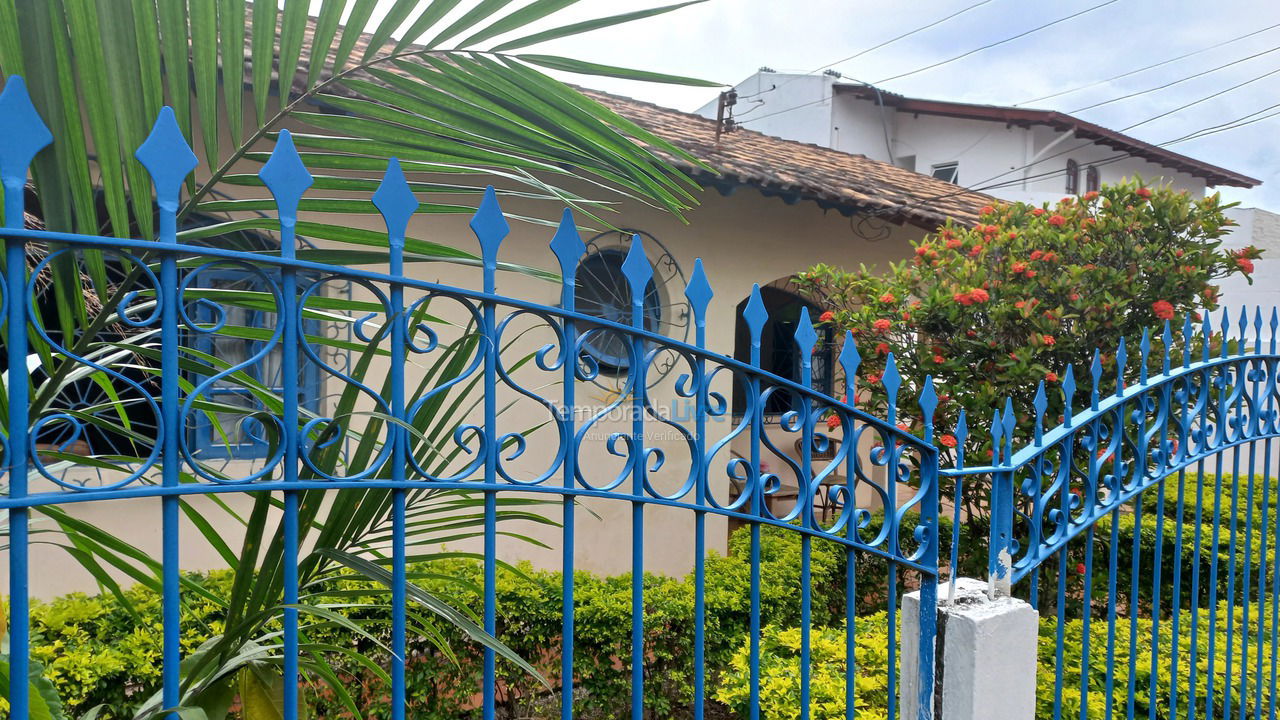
(853, 184)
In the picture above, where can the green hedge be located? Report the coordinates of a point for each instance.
(96, 653)
(1181, 558)
(780, 669)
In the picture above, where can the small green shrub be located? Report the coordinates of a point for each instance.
(1169, 664)
(97, 654)
(780, 673)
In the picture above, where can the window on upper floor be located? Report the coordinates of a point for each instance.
(1091, 182)
(1073, 177)
(948, 172)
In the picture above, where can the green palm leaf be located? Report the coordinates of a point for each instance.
(458, 110)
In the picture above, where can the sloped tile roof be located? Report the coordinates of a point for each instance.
(852, 184)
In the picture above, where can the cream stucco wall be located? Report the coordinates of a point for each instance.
(742, 239)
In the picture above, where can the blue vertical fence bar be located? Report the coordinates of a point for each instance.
(755, 316)
(1234, 401)
(1197, 411)
(698, 293)
(24, 135)
(928, 584)
(1162, 461)
(805, 339)
(849, 362)
(638, 273)
(396, 203)
(169, 160)
(490, 228)
(1272, 426)
(286, 178)
(568, 247)
(1257, 429)
(892, 382)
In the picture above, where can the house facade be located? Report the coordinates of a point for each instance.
(1013, 153)
(768, 208)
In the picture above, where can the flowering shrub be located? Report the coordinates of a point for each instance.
(993, 310)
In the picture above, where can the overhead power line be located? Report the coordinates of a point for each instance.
(1206, 98)
(1175, 82)
(1153, 118)
(936, 64)
(1152, 66)
(988, 46)
(859, 54)
(903, 36)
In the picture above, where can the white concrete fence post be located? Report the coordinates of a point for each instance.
(985, 655)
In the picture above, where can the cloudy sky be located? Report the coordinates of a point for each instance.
(727, 40)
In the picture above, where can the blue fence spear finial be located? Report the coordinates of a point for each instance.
(168, 158)
(850, 359)
(395, 201)
(639, 274)
(928, 406)
(490, 227)
(892, 381)
(568, 247)
(287, 179)
(24, 135)
(1039, 404)
(1068, 394)
(1166, 338)
(806, 337)
(698, 292)
(755, 316)
(1144, 353)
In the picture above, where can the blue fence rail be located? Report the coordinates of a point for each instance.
(383, 439)
(1142, 525)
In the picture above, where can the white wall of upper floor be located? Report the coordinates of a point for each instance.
(1259, 228)
(992, 156)
(806, 100)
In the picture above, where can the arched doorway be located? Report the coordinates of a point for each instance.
(778, 352)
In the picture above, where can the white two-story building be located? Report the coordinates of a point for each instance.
(1013, 153)
(1017, 154)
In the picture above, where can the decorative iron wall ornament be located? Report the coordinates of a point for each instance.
(602, 292)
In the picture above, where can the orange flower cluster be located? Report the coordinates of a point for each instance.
(971, 297)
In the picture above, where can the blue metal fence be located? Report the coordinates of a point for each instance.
(1140, 526)
(1152, 499)
(399, 452)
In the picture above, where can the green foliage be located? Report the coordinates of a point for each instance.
(468, 104)
(97, 654)
(780, 673)
(1170, 662)
(992, 310)
(780, 677)
(1190, 556)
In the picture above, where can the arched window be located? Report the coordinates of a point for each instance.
(1091, 183)
(1073, 177)
(778, 352)
(603, 291)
